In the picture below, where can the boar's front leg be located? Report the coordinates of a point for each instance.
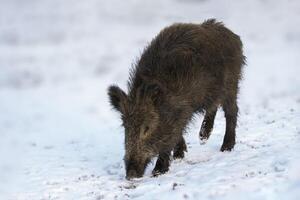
(207, 124)
(179, 149)
(162, 163)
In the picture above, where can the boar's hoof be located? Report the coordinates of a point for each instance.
(179, 149)
(204, 135)
(157, 172)
(227, 146)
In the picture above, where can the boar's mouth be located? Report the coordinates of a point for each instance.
(135, 169)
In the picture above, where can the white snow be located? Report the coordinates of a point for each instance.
(61, 140)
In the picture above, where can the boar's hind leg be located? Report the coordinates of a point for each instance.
(179, 149)
(162, 163)
(231, 109)
(207, 124)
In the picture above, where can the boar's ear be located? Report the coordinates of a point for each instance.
(118, 98)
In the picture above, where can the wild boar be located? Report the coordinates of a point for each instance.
(186, 69)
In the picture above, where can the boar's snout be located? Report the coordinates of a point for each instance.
(135, 169)
(131, 174)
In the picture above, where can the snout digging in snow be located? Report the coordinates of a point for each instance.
(186, 69)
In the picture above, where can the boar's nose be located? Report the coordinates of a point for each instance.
(131, 174)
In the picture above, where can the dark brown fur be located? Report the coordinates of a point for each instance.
(186, 69)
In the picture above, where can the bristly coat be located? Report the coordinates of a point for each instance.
(186, 69)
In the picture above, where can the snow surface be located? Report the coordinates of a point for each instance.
(61, 140)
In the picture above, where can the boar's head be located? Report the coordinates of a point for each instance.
(145, 130)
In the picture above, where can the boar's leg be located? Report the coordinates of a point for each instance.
(179, 149)
(231, 109)
(207, 124)
(162, 163)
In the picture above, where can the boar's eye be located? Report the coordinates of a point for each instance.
(145, 131)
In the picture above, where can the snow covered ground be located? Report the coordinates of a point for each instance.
(59, 138)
